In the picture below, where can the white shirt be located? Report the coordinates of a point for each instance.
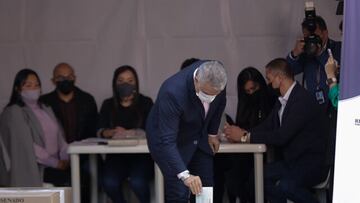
(206, 109)
(283, 100)
(205, 104)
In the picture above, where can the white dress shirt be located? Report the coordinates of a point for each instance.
(283, 100)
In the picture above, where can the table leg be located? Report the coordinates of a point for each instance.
(93, 177)
(159, 185)
(259, 177)
(75, 177)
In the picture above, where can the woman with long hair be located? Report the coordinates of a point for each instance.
(33, 138)
(255, 98)
(121, 116)
(255, 101)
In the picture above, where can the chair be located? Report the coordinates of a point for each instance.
(321, 190)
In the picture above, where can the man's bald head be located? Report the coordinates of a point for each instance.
(63, 67)
(63, 71)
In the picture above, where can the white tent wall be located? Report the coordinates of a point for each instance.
(154, 36)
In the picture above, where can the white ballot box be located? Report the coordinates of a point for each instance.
(36, 195)
(206, 195)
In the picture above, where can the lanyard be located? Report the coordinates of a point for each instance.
(318, 76)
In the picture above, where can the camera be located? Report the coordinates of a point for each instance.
(312, 41)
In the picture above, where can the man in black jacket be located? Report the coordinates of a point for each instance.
(297, 127)
(76, 111)
(75, 108)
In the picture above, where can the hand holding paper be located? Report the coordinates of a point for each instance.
(206, 195)
(194, 184)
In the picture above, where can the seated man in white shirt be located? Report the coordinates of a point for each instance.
(297, 128)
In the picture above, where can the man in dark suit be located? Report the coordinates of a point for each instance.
(297, 128)
(182, 128)
(77, 113)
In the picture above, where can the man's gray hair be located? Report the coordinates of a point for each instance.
(212, 72)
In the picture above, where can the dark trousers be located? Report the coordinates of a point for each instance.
(232, 171)
(57, 177)
(62, 178)
(137, 168)
(294, 183)
(201, 165)
(222, 164)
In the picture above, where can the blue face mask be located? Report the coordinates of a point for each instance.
(205, 97)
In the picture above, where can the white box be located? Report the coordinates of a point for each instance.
(63, 194)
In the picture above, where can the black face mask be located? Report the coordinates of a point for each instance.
(65, 86)
(125, 90)
(276, 91)
(254, 97)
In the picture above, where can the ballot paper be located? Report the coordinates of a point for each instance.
(206, 196)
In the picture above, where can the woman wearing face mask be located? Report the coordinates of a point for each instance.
(255, 101)
(33, 138)
(124, 115)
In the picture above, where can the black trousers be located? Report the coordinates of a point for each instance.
(201, 165)
(294, 183)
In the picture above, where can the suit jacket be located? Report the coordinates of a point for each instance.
(19, 129)
(302, 137)
(177, 126)
(86, 112)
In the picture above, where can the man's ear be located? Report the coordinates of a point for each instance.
(281, 76)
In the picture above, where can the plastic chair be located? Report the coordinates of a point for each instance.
(321, 190)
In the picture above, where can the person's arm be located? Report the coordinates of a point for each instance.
(331, 67)
(294, 58)
(169, 118)
(92, 119)
(104, 123)
(235, 134)
(334, 95)
(213, 128)
(299, 114)
(44, 158)
(63, 146)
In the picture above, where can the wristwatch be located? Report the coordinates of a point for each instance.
(243, 139)
(329, 81)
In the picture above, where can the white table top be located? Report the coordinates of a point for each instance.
(95, 148)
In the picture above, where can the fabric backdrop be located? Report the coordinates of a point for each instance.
(154, 36)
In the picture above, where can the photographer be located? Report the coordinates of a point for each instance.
(309, 56)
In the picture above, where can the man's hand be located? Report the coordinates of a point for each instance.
(331, 67)
(214, 143)
(117, 133)
(194, 184)
(234, 133)
(299, 47)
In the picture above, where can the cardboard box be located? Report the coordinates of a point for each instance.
(65, 193)
(61, 195)
(29, 197)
